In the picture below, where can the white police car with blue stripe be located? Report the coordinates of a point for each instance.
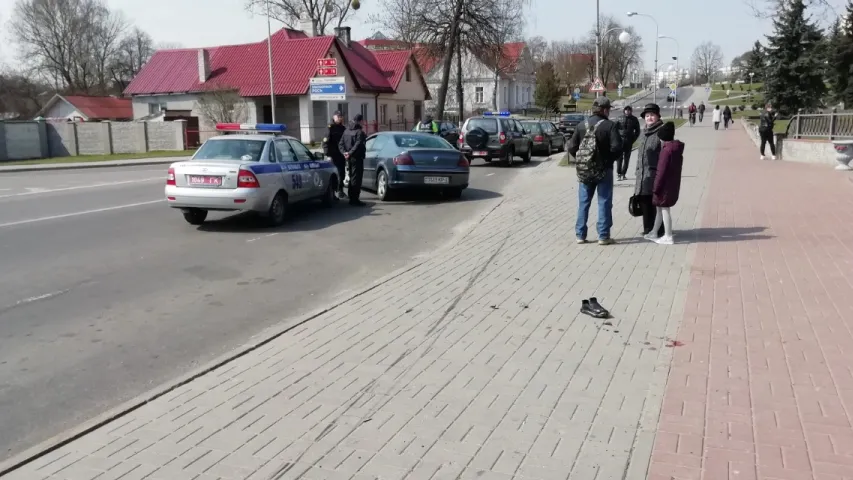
(255, 169)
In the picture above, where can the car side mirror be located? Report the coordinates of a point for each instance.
(319, 156)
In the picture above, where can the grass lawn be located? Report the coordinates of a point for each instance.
(564, 162)
(735, 88)
(102, 158)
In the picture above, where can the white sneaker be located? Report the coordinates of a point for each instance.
(773, 157)
(652, 236)
(664, 240)
(762, 157)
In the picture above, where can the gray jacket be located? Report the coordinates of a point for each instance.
(647, 160)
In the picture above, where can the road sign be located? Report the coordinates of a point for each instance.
(597, 86)
(620, 86)
(327, 62)
(576, 96)
(328, 88)
(577, 90)
(673, 86)
(327, 71)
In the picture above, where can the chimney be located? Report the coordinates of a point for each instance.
(308, 26)
(203, 65)
(343, 34)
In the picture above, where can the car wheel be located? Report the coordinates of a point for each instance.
(383, 191)
(562, 147)
(549, 150)
(278, 209)
(527, 155)
(453, 193)
(195, 216)
(508, 158)
(329, 196)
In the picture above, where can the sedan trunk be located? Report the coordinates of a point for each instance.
(434, 157)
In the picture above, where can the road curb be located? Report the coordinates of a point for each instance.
(266, 336)
(81, 166)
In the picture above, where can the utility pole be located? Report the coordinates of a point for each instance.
(597, 43)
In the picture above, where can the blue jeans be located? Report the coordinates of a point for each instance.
(605, 206)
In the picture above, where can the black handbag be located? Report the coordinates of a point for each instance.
(635, 207)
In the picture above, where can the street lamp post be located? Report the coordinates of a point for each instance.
(624, 37)
(269, 60)
(677, 72)
(657, 34)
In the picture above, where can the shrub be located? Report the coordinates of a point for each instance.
(754, 106)
(742, 107)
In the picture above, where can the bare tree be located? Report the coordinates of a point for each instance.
(222, 105)
(322, 13)
(765, 9)
(167, 46)
(616, 57)
(20, 95)
(539, 49)
(133, 51)
(399, 19)
(571, 62)
(706, 61)
(507, 26)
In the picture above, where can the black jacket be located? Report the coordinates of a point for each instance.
(333, 138)
(352, 141)
(766, 121)
(607, 137)
(629, 128)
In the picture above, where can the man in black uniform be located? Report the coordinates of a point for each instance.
(629, 128)
(353, 148)
(331, 149)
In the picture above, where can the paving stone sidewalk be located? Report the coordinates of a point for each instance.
(762, 387)
(474, 365)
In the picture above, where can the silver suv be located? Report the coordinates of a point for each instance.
(495, 137)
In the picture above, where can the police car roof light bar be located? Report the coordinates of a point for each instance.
(251, 127)
(502, 113)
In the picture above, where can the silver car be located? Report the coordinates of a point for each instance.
(259, 173)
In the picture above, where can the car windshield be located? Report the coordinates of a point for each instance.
(490, 125)
(231, 150)
(532, 126)
(573, 118)
(420, 141)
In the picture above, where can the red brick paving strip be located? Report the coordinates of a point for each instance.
(762, 387)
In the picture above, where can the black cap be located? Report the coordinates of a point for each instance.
(338, 113)
(357, 118)
(667, 132)
(651, 108)
(628, 107)
(601, 102)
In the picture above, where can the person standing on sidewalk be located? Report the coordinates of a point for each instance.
(353, 148)
(596, 145)
(648, 154)
(727, 117)
(766, 122)
(629, 128)
(716, 117)
(701, 111)
(331, 149)
(667, 183)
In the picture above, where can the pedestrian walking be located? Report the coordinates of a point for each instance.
(701, 111)
(332, 150)
(727, 117)
(691, 110)
(717, 116)
(647, 163)
(353, 148)
(766, 122)
(629, 129)
(596, 144)
(667, 183)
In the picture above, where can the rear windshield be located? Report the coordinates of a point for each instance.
(231, 150)
(420, 141)
(532, 126)
(490, 125)
(573, 118)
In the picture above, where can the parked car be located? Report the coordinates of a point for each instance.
(569, 122)
(446, 130)
(546, 136)
(495, 136)
(249, 172)
(409, 160)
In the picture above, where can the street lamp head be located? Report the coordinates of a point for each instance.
(624, 37)
(631, 14)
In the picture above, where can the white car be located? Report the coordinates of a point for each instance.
(250, 170)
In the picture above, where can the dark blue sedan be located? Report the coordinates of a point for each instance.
(409, 160)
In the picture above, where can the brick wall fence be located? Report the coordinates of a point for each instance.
(40, 139)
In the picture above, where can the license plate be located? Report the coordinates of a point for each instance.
(436, 180)
(483, 154)
(205, 180)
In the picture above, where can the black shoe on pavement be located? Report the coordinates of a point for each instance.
(357, 203)
(586, 309)
(598, 310)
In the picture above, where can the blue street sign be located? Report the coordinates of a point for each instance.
(576, 96)
(328, 91)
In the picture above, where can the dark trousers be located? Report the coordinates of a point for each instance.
(356, 174)
(649, 212)
(726, 121)
(341, 165)
(701, 115)
(624, 159)
(716, 125)
(767, 137)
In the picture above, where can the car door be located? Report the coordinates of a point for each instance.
(313, 184)
(370, 162)
(519, 137)
(291, 170)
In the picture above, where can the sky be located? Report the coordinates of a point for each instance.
(728, 23)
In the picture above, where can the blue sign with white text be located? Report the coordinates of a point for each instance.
(329, 88)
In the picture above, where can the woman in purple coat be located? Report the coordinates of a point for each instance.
(667, 182)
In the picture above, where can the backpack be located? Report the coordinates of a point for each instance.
(590, 166)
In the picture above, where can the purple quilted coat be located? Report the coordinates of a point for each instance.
(668, 176)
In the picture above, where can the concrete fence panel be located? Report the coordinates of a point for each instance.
(94, 138)
(62, 139)
(129, 137)
(19, 140)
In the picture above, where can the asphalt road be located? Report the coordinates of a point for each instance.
(108, 293)
(685, 94)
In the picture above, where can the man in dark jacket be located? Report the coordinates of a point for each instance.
(353, 148)
(629, 128)
(330, 149)
(701, 111)
(608, 143)
(766, 122)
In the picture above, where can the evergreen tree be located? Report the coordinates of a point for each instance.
(795, 60)
(842, 59)
(548, 89)
(755, 63)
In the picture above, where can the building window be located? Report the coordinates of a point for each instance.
(154, 108)
(408, 73)
(478, 94)
(383, 113)
(364, 108)
(344, 109)
(401, 113)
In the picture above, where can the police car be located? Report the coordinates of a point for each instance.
(251, 168)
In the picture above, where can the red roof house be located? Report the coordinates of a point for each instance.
(87, 108)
